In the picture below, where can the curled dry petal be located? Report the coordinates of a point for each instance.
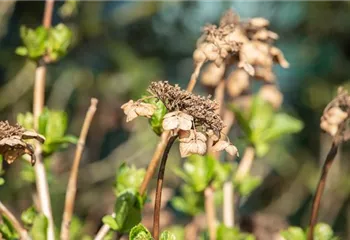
(259, 22)
(329, 128)
(12, 144)
(238, 81)
(271, 94)
(335, 115)
(227, 146)
(134, 109)
(279, 57)
(212, 75)
(192, 142)
(177, 120)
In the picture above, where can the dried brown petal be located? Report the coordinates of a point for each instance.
(212, 75)
(177, 120)
(259, 22)
(335, 115)
(279, 57)
(271, 94)
(238, 81)
(227, 146)
(134, 109)
(195, 143)
(332, 129)
(264, 35)
(12, 144)
(199, 56)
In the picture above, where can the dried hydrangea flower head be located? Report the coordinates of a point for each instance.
(217, 42)
(201, 109)
(335, 117)
(12, 144)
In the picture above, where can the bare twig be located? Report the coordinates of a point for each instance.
(38, 104)
(154, 161)
(15, 223)
(246, 163)
(102, 232)
(160, 180)
(194, 77)
(210, 212)
(72, 183)
(320, 187)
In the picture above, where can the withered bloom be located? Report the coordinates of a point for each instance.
(12, 144)
(202, 109)
(336, 115)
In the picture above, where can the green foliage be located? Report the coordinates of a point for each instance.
(247, 184)
(177, 230)
(166, 235)
(53, 125)
(189, 202)
(53, 42)
(157, 118)
(128, 178)
(224, 233)
(262, 125)
(322, 231)
(129, 202)
(39, 228)
(140, 232)
(68, 9)
(28, 216)
(2, 181)
(7, 231)
(197, 171)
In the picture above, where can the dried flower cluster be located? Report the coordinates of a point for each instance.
(335, 116)
(253, 55)
(192, 117)
(12, 144)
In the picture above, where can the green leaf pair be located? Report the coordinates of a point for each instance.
(128, 178)
(224, 233)
(322, 231)
(53, 42)
(53, 125)
(262, 125)
(247, 184)
(156, 120)
(140, 232)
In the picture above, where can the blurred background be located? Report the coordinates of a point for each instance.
(120, 47)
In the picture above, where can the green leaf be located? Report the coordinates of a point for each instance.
(110, 221)
(58, 41)
(224, 233)
(157, 118)
(178, 231)
(34, 41)
(261, 148)
(26, 120)
(129, 178)
(56, 125)
(2, 181)
(7, 230)
(22, 51)
(248, 184)
(190, 201)
(39, 229)
(294, 233)
(128, 208)
(75, 229)
(28, 216)
(222, 173)
(323, 232)
(198, 171)
(281, 124)
(166, 235)
(140, 232)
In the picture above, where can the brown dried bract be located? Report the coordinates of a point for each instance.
(202, 109)
(335, 117)
(192, 142)
(12, 144)
(134, 109)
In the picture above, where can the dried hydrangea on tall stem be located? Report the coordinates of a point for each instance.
(13, 144)
(334, 121)
(193, 118)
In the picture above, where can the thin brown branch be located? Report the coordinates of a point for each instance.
(194, 77)
(154, 161)
(246, 163)
(160, 180)
(15, 223)
(72, 183)
(38, 104)
(320, 188)
(210, 212)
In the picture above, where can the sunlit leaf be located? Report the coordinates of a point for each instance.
(166, 235)
(110, 221)
(28, 216)
(140, 232)
(39, 228)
